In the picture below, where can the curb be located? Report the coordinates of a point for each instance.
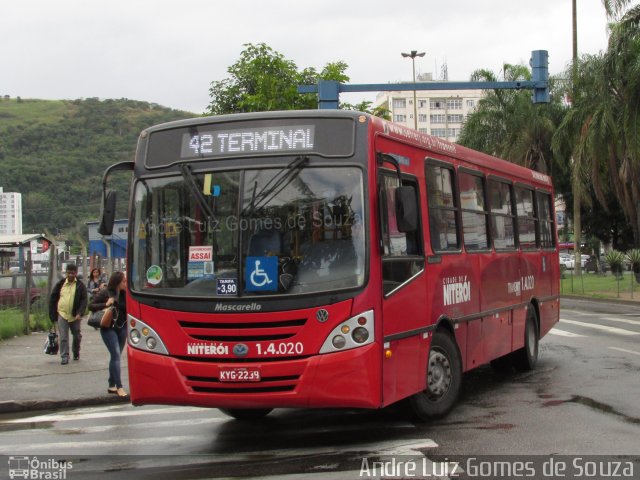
(17, 406)
(616, 301)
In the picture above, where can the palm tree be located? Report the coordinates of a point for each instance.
(507, 124)
(602, 126)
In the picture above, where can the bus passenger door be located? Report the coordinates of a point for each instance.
(404, 300)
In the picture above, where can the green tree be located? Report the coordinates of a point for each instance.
(264, 80)
(600, 132)
(507, 124)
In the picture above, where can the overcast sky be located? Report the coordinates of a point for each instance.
(168, 52)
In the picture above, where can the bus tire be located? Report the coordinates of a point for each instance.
(444, 380)
(246, 413)
(526, 358)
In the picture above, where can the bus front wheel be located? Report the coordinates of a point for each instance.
(526, 358)
(444, 380)
(246, 413)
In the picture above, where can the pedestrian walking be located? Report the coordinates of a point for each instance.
(95, 283)
(114, 336)
(67, 304)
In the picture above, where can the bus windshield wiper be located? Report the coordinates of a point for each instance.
(190, 181)
(274, 186)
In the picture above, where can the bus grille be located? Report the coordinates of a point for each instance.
(266, 385)
(242, 332)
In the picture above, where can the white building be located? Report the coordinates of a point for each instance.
(441, 113)
(10, 213)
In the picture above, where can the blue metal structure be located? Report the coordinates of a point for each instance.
(329, 90)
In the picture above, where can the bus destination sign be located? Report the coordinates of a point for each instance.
(248, 140)
(327, 137)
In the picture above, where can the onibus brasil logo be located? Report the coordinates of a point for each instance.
(33, 468)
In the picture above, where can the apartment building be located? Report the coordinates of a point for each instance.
(441, 113)
(10, 213)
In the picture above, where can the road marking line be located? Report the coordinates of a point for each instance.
(625, 350)
(88, 416)
(400, 446)
(563, 333)
(622, 320)
(604, 328)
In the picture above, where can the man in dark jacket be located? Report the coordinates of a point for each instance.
(66, 306)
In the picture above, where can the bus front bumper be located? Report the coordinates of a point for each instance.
(349, 379)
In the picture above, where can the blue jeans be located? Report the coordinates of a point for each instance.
(114, 338)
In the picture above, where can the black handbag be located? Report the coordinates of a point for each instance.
(51, 346)
(103, 318)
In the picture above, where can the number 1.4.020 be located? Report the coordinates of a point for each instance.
(283, 348)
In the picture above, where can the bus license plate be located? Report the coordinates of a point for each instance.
(239, 374)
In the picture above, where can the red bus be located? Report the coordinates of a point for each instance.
(329, 259)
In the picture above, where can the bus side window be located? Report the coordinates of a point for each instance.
(443, 209)
(399, 250)
(502, 216)
(527, 219)
(547, 220)
(474, 211)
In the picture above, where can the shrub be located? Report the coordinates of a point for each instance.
(634, 258)
(615, 259)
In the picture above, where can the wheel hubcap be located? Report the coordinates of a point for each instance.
(439, 375)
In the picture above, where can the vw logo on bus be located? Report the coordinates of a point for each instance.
(240, 350)
(322, 315)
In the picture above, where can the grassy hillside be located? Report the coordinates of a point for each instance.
(54, 153)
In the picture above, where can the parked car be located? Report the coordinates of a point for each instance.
(567, 260)
(12, 290)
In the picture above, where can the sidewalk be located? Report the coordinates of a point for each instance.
(31, 380)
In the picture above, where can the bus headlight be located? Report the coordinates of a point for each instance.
(143, 337)
(339, 341)
(360, 335)
(134, 336)
(352, 333)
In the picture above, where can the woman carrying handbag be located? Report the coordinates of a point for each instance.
(114, 336)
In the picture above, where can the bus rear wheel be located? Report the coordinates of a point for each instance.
(526, 358)
(246, 413)
(444, 380)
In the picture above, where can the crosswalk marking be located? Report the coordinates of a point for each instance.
(617, 331)
(563, 333)
(625, 350)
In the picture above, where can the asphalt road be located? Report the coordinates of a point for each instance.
(582, 399)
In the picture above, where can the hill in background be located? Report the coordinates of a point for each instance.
(54, 154)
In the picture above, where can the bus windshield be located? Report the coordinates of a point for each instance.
(253, 232)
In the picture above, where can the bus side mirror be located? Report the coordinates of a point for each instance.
(406, 209)
(108, 214)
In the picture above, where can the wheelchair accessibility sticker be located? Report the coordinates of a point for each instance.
(261, 274)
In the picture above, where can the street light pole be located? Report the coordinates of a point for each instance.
(413, 55)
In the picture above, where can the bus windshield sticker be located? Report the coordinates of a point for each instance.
(261, 274)
(154, 275)
(226, 286)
